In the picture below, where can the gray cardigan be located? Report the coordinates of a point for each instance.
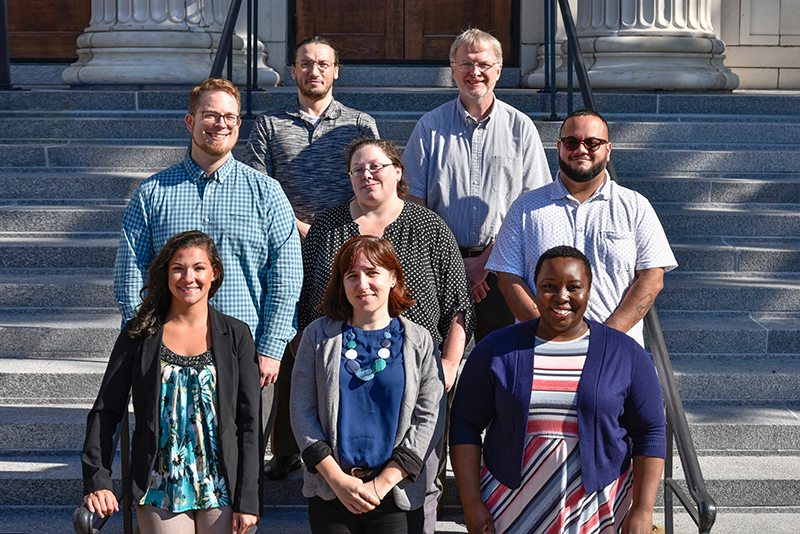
(314, 405)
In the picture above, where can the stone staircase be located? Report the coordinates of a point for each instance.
(721, 170)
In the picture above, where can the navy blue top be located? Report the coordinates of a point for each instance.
(369, 411)
(619, 397)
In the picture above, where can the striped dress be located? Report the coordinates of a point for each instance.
(551, 498)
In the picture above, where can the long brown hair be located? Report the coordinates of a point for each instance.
(380, 253)
(156, 296)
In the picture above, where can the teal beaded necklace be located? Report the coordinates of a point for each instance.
(365, 374)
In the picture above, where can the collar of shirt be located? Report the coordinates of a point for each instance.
(333, 111)
(468, 119)
(560, 191)
(196, 174)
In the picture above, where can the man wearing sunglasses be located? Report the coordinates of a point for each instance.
(303, 147)
(615, 227)
(468, 160)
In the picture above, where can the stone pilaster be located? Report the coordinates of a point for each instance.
(162, 42)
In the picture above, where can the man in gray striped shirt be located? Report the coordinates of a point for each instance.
(303, 147)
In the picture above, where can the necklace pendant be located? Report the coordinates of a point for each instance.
(351, 354)
(378, 365)
(365, 374)
(384, 353)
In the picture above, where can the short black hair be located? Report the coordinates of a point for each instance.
(563, 251)
(316, 39)
(585, 112)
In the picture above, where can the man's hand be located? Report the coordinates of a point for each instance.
(480, 291)
(268, 368)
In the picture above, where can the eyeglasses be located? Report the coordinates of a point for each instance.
(210, 117)
(591, 143)
(306, 65)
(469, 66)
(373, 168)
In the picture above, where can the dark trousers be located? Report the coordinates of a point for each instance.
(492, 313)
(283, 442)
(331, 517)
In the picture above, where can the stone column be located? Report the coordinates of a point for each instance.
(156, 42)
(644, 45)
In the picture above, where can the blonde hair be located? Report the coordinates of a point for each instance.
(475, 39)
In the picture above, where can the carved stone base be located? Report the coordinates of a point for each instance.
(131, 57)
(648, 63)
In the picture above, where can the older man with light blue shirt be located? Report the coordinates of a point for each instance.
(615, 227)
(469, 159)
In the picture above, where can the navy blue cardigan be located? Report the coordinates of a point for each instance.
(619, 397)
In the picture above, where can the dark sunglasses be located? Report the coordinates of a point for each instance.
(591, 143)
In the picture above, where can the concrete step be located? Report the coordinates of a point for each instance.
(66, 186)
(65, 155)
(60, 335)
(70, 219)
(36, 252)
(730, 335)
(739, 106)
(723, 219)
(42, 290)
(30, 429)
(746, 429)
(294, 520)
(695, 187)
(717, 429)
(730, 292)
(50, 381)
(736, 254)
(766, 381)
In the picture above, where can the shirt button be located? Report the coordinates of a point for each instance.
(474, 208)
(207, 219)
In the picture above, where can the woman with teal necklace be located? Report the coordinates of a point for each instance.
(367, 399)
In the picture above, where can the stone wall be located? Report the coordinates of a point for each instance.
(762, 40)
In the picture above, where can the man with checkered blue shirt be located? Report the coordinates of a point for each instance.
(615, 227)
(244, 211)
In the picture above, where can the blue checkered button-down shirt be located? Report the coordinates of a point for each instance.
(252, 223)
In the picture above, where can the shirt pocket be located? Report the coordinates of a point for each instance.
(618, 251)
(245, 236)
(505, 173)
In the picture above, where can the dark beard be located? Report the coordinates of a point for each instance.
(312, 94)
(581, 176)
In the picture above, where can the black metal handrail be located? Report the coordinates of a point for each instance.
(5, 58)
(704, 510)
(82, 519)
(225, 50)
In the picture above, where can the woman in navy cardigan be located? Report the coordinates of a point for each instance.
(568, 403)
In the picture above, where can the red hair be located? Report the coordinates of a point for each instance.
(380, 253)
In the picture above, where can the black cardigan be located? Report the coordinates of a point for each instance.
(135, 363)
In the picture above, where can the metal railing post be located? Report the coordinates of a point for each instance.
(5, 57)
(226, 40)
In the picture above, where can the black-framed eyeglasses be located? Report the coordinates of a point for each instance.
(306, 65)
(373, 168)
(591, 143)
(211, 117)
(469, 66)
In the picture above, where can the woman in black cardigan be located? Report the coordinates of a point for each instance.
(195, 458)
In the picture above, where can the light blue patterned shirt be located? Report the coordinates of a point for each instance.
(470, 172)
(250, 220)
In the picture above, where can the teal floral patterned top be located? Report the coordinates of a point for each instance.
(187, 473)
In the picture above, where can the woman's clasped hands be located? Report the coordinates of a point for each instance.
(358, 497)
